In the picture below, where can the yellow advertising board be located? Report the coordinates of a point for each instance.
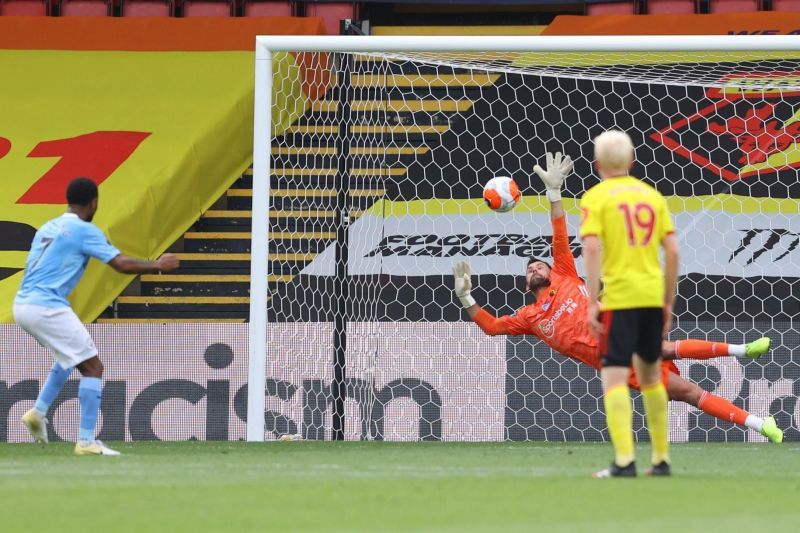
(163, 133)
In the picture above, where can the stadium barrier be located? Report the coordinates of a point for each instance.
(189, 381)
(164, 133)
(754, 23)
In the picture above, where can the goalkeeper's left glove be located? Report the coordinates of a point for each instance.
(462, 284)
(554, 176)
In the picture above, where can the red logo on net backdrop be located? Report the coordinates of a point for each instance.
(745, 131)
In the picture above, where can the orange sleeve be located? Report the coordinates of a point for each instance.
(505, 325)
(563, 261)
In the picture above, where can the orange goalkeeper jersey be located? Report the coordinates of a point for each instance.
(559, 315)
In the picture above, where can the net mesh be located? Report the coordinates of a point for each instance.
(376, 192)
(161, 382)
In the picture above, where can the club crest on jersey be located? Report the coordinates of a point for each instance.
(546, 306)
(548, 327)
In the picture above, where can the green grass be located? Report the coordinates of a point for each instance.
(198, 486)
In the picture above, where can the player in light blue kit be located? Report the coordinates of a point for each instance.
(59, 254)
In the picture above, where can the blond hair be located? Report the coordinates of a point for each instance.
(613, 151)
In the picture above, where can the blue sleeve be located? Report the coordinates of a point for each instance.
(96, 245)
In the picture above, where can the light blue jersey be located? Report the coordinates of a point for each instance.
(59, 254)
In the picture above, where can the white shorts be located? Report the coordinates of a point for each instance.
(59, 330)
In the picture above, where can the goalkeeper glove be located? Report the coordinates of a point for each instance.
(553, 177)
(462, 277)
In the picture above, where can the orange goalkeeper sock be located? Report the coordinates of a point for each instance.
(695, 349)
(725, 410)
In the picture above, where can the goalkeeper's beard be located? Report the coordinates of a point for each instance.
(538, 282)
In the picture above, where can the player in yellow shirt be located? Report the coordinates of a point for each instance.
(624, 223)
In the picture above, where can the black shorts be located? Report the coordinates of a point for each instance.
(630, 331)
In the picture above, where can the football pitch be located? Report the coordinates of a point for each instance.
(313, 486)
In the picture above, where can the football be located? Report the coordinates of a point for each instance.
(501, 194)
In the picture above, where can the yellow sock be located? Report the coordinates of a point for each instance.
(656, 407)
(619, 416)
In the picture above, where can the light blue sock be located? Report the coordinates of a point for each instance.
(52, 386)
(90, 391)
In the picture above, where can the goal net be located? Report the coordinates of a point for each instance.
(375, 182)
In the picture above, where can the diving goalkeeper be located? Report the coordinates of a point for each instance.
(558, 317)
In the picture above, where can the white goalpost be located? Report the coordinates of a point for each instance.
(372, 180)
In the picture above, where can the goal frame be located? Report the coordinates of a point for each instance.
(265, 46)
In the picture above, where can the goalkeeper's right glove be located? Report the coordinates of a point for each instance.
(462, 276)
(554, 176)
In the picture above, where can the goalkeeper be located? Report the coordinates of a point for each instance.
(558, 317)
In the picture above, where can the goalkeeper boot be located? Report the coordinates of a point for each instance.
(771, 430)
(93, 447)
(36, 424)
(757, 348)
(616, 471)
(661, 469)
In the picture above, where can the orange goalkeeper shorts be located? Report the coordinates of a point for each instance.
(667, 368)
